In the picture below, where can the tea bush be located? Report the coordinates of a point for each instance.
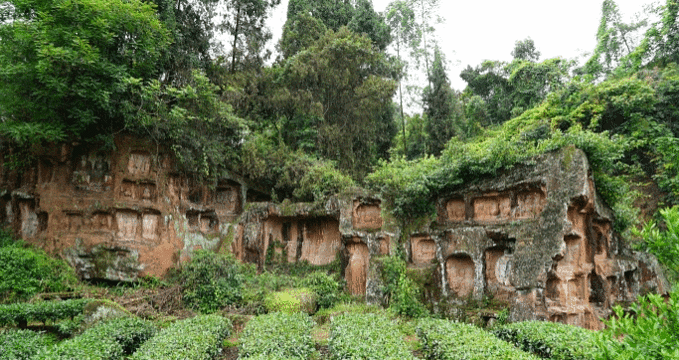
(211, 281)
(446, 340)
(328, 290)
(25, 272)
(107, 340)
(198, 338)
(649, 331)
(277, 336)
(21, 313)
(549, 340)
(22, 344)
(366, 336)
(291, 301)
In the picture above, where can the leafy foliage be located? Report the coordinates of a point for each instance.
(211, 281)
(22, 344)
(277, 336)
(197, 338)
(664, 244)
(328, 290)
(41, 311)
(442, 339)
(25, 272)
(291, 301)
(650, 331)
(366, 336)
(107, 340)
(404, 295)
(549, 340)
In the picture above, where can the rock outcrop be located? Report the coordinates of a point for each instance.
(537, 237)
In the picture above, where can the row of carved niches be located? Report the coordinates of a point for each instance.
(517, 204)
(124, 225)
(226, 196)
(202, 221)
(366, 214)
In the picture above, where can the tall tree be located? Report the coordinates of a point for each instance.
(438, 106)
(428, 17)
(401, 18)
(340, 73)
(525, 50)
(245, 21)
(67, 64)
(366, 21)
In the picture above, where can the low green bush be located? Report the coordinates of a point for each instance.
(25, 272)
(366, 336)
(403, 292)
(649, 331)
(549, 340)
(277, 336)
(22, 344)
(211, 281)
(328, 290)
(291, 301)
(22, 313)
(664, 244)
(324, 315)
(107, 340)
(197, 338)
(446, 340)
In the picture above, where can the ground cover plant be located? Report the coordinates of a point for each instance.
(278, 336)
(110, 339)
(22, 313)
(549, 340)
(446, 340)
(650, 330)
(197, 338)
(366, 336)
(22, 344)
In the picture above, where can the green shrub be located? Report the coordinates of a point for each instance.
(404, 295)
(22, 344)
(107, 340)
(277, 336)
(25, 272)
(322, 316)
(21, 313)
(366, 336)
(650, 331)
(291, 301)
(549, 340)
(197, 338)
(328, 290)
(211, 281)
(258, 287)
(663, 244)
(445, 340)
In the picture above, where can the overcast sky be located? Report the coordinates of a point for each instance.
(487, 29)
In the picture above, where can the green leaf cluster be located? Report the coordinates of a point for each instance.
(107, 340)
(43, 311)
(403, 292)
(198, 338)
(25, 271)
(22, 344)
(550, 340)
(277, 336)
(366, 336)
(211, 281)
(446, 340)
(291, 301)
(649, 331)
(664, 244)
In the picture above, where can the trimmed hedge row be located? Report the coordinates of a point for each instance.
(550, 340)
(197, 338)
(107, 340)
(277, 336)
(22, 344)
(21, 313)
(445, 340)
(366, 336)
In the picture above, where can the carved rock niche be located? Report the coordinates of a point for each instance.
(356, 272)
(366, 216)
(529, 204)
(139, 164)
(460, 275)
(321, 241)
(423, 250)
(492, 208)
(455, 210)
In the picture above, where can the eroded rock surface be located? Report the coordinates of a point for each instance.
(119, 214)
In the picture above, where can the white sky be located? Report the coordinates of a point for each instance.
(474, 31)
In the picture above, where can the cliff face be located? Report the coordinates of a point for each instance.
(536, 237)
(117, 214)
